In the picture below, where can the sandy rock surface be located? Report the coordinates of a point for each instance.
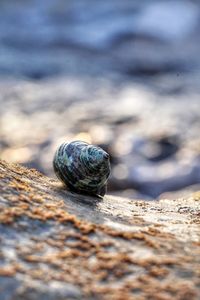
(60, 245)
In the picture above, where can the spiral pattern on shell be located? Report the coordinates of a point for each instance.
(84, 168)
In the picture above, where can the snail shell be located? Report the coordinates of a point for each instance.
(84, 168)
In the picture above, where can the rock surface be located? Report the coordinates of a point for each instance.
(58, 245)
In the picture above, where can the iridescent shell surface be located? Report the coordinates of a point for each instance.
(84, 168)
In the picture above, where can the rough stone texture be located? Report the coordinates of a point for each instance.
(58, 245)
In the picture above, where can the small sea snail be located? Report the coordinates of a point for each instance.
(82, 167)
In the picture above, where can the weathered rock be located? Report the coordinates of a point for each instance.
(60, 245)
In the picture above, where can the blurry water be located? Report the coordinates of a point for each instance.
(121, 74)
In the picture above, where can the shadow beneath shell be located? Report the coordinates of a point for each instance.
(89, 208)
(79, 198)
(86, 199)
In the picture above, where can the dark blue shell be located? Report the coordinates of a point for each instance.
(84, 168)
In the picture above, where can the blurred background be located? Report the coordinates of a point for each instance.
(124, 75)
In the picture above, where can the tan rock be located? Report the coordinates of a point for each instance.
(55, 244)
